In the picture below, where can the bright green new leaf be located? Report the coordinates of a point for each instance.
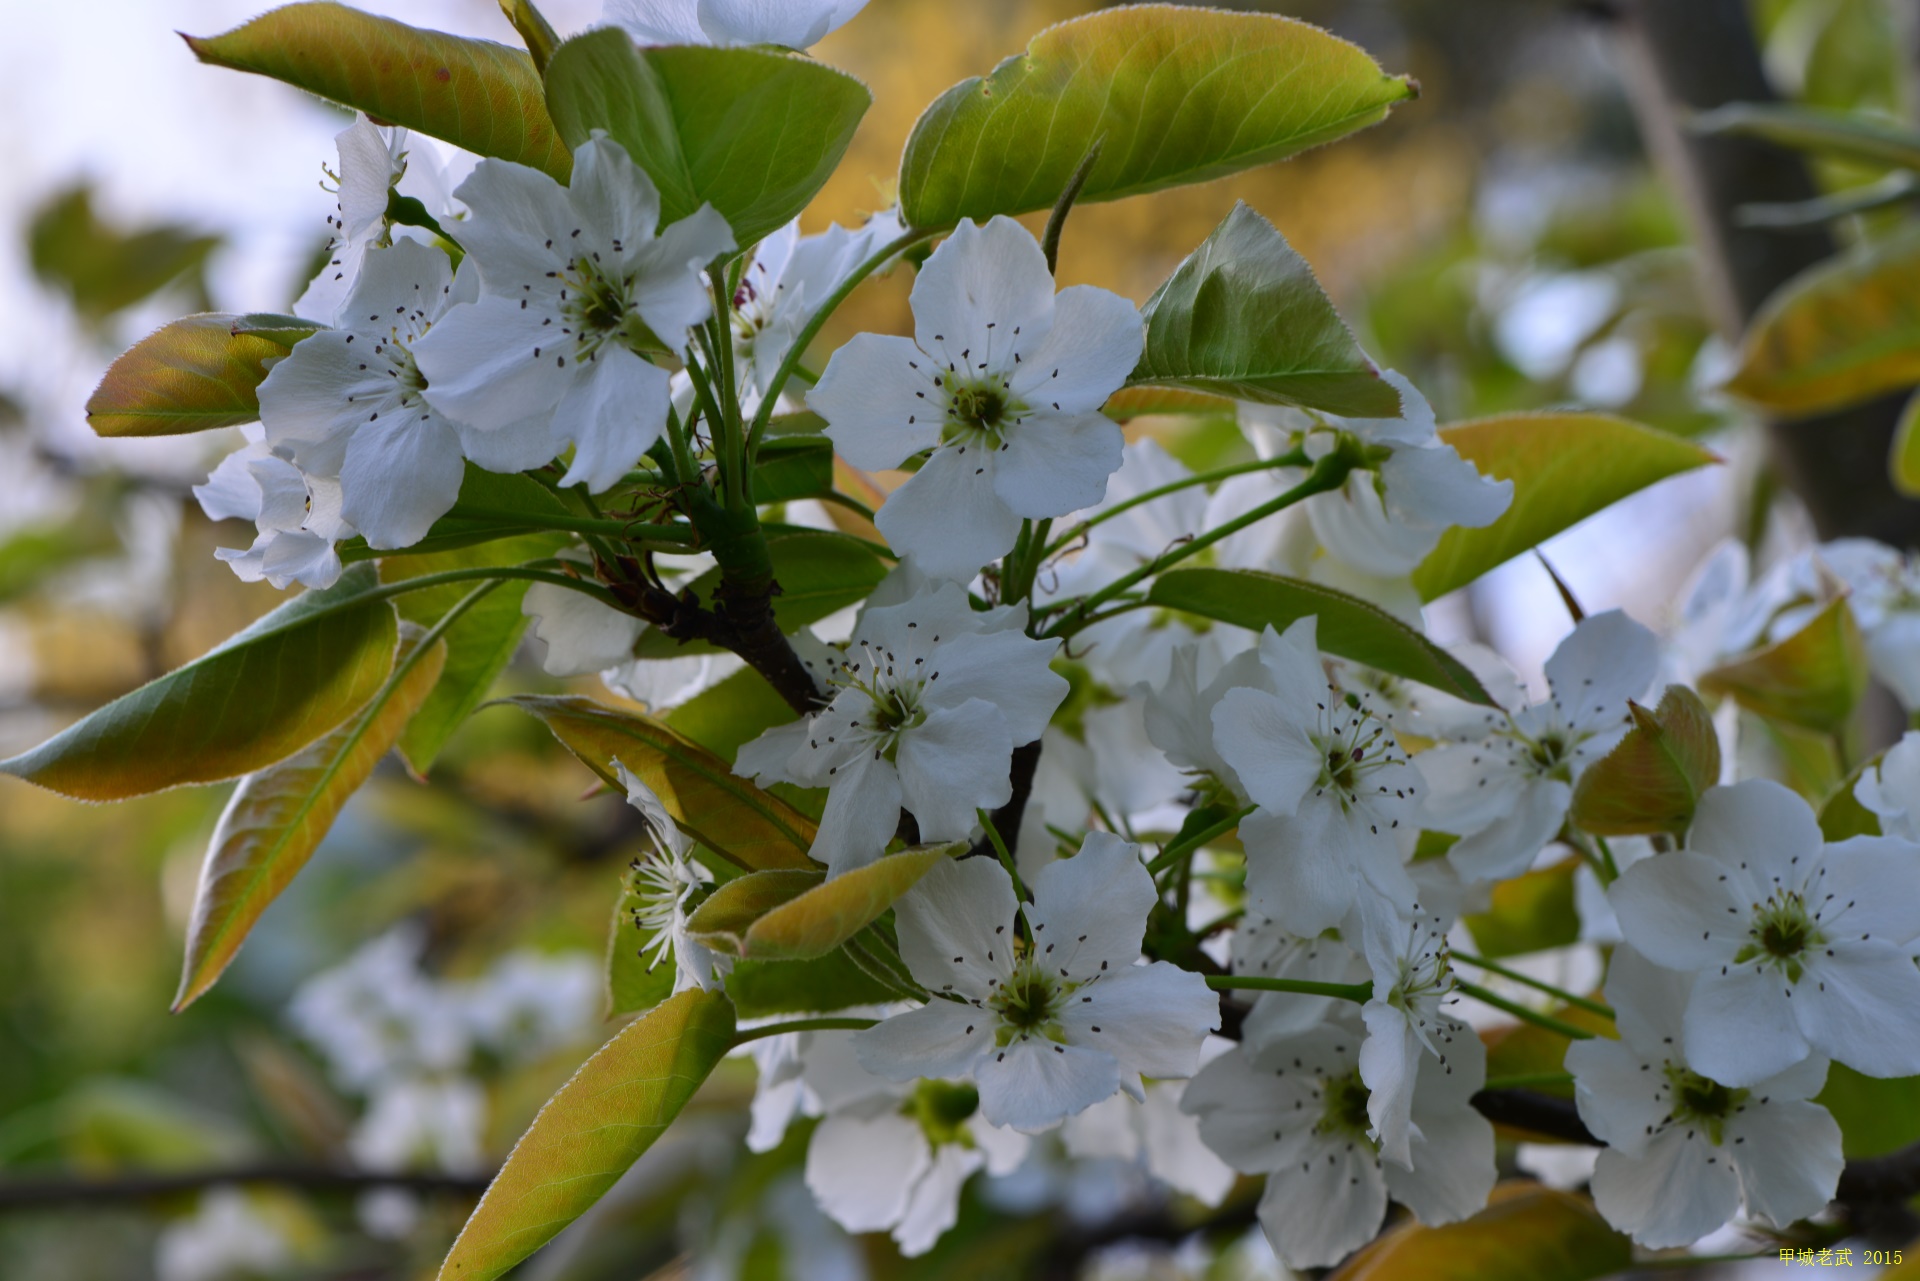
(1174, 95)
(1876, 1115)
(1813, 679)
(1527, 1233)
(826, 983)
(1841, 813)
(819, 573)
(776, 916)
(1564, 468)
(1842, 134)
(1243, 317)
(1348, 626)
(480, 96)
(276, 819)
(588, 1134)
(793, 467)
(753, 132)
(1842, 331)
(264, 694)
(191, 375)
(725, 813)
(1903, 460)
(478, 645)
(1529, 913)
(1652, 779)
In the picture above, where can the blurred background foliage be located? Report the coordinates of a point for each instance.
(1503, 242)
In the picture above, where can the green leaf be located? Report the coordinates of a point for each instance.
(1876, 1116)
(191, 375)
(1843, 331)
(1348, 626)
(478, 645)
(1564, 468)
(819, 573)
(480, 96)
(1176, 95)
(1243, 317)
(1529, 913)
(276, 819)
(535, 31)
(1652, 779)
(591, 1131)
(264, 694)
(491, 506)
(1130, 403)
(730, 715)
(1841, 134)
(1903, 459)
(1842, 815)
(1813, 679)
(796, 916)
(1527, 1233)
(830, 982)
(753, 132)
(727, 814)
(793, 467)
(104, 268)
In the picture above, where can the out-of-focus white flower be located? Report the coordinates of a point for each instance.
(422, 1123)
(530, 1004)
(298, 516)
(228, 1237)
(376, 1016)
(797, 24)
(1891, 788)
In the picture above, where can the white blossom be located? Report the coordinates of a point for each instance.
(350, 403)
(1155, 1133)
(375, 161)
(1684, 1150)
(1890, 787)
(669, 884)
(1296, 1110)
(1002, 380)
(1405, 1024)
(1505, 789)
(797, 24)
(297, 516)
(1049, 1022)
(929, 700)
(1799, 947)
(575, 286)
(1337, 796)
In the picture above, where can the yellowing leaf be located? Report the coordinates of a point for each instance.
(1813, 679)
(1130, 403)
(1840, 332)
(727, 814)
(264, 694)
(1564, 468)
(478, 95)
(1174, 95)
(794, 916)
(1528, 913)
(276, 818)
(1527, 1233)
(1652, 779)
(194, 374)
(589, 1133)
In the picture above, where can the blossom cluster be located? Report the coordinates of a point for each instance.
(1324, 829)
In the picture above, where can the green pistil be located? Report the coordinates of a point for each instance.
(1703, 1103)
(1029, 1004)
(1781, 933)
(943, 1108)
(1344, 1107)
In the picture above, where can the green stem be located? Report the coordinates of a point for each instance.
(1361, 992)
(1006, 856)
(1527, 1080)
(1294, 458)
(502, 572)
(631, 531)
(1176, 849)
(1521, 1012)
(1578, 1002)
(851, 504)
(1327, 474)
(1610, 870)
(801, 1025)
(804, 339)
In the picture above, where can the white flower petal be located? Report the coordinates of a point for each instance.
(1052, 464)
(1856, 1004)
(880, 409)
(400, 475)
(1035, 1084)
(1152, 1018)
(1788, 1157)
(669, 293)
(1679, 911)
(1607, 659)
(984, 294)
(863, 808)
(959, 912)
(1741, 1027)
(1670, 1196)
(954, 763)
(1094, 343)
(932, 1041)
(948, 516)
(1010, 670)
(480, 368)
(1760, 828)
(863, 1169)
(1261, 737)
(614, 409)
(1508, 845)
(1316, 1217)
(1090, 911)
